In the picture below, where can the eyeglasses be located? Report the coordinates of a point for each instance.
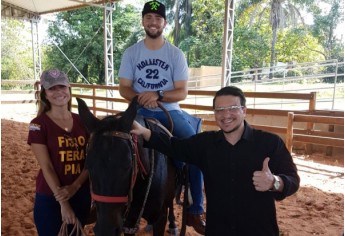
(231, 109)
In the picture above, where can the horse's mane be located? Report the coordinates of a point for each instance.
(110, 123)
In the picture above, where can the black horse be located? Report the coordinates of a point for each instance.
(127, 181)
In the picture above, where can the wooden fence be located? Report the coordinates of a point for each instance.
(22, 95)
(101, 100)
(311, 135)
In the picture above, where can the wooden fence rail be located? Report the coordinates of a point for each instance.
(310, 135)
(34, 91)
(101, 99)
(310, 98)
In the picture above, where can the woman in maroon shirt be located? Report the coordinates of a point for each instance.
(58, 140)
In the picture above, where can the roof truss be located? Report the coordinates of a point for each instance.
(34, 8)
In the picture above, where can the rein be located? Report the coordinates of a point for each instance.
(171, 123)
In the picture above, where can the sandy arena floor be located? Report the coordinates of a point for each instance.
(316, 209)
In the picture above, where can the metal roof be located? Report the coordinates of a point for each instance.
(32, 8)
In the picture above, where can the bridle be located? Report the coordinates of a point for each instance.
(133, 140)
(137, 165)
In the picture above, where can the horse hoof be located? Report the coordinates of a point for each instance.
(148, 228)
(173, 231)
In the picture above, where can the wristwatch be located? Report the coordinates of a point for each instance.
(276, 183)
(160, 94)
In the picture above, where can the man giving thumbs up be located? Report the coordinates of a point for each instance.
(245, 170)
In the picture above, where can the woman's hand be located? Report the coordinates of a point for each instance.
(67, 213)
(65, 193)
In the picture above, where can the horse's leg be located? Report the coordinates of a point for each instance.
(186, 202)
(171, 217)
(159, 225)
(172, 228)
(179, 185)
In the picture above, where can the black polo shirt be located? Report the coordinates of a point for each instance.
(234, 207)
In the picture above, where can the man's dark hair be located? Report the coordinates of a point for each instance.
(230, 90)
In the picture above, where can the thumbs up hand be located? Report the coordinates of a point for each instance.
(263, 179)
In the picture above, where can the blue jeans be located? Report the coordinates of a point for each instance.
(182, 129)
(47, 211)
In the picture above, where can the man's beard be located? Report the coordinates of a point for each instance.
(155, 35)
(232, 130)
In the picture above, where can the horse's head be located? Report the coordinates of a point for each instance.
(110, 161)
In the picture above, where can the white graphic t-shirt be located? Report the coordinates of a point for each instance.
(153, 70)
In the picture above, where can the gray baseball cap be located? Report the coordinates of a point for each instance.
(52, 77)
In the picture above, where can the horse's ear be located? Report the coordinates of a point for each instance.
(89, 120)
(130, 114)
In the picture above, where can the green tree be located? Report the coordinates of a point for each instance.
(298, 45)
(79, 35)
(324, 28)
(16, 52)
(202, 42)
(124, 37)
(250, 48)
(325, 24)
(282, 14)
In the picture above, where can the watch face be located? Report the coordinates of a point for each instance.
(160, 94)
(276, 183)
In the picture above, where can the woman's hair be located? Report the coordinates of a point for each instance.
(233, 91)
(44, 104)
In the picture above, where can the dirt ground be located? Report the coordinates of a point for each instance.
(316, 209)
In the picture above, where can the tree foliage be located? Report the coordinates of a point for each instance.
(298, 45)
(197, 28)
(79, 34)
(202, 41)
(282, 14)
(16, 53)
(76, 36)
(324, 28)
(293, 42)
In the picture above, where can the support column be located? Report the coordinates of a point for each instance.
(108, 43)
(227, 41)
(36, 50)
(108, 49)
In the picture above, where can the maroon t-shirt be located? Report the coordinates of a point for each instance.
(67, 150)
